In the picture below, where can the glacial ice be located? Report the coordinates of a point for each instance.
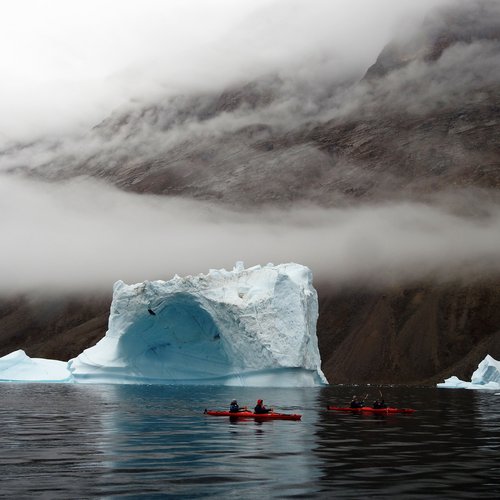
(245, 327)
(487, 376)
(19, 367)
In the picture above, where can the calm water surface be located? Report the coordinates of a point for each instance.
(107, 441)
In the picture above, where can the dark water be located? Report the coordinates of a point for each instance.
(73, 441)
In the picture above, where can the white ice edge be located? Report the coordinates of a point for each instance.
(19, 367)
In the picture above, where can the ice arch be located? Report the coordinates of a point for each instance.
(179, 341)
(252, 326)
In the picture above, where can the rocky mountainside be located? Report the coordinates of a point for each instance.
(55, 327)
(422, 124)
(408, 335)
(425, 119)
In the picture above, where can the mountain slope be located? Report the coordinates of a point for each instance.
(425, 119)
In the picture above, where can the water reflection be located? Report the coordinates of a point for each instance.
(165, 441)
(49, 440)
(487, 407)
(435, 452)
(152, 441)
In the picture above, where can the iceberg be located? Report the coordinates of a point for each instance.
(486, 376)
(245, 327)
(19, 367)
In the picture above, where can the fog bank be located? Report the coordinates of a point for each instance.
(67, 65)
(83, 236)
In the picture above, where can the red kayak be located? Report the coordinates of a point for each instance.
(251, 414)
(372, 410)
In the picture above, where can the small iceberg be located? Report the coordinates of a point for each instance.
(487, 376)
(19, 367)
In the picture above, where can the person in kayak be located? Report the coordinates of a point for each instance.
(357, 404)
(235, 408)
(378, 405)
(260, 408)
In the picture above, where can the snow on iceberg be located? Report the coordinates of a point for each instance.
(487, 376)
(19, 367)
(245, 327)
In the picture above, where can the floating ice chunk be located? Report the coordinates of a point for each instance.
(253, 326)
(454, 383)
(487, 372)
(487, 376)
(19, 367)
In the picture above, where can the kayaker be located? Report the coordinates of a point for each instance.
(260, 408)
(357, 404)
(235, 408)
(378, 405)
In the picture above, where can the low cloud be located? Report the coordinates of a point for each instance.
(461, 76)
(68, 65)
(308, 86)
(82, 236)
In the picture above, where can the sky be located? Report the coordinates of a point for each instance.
(67, 65)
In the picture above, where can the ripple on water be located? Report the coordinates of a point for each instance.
(150, 441)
